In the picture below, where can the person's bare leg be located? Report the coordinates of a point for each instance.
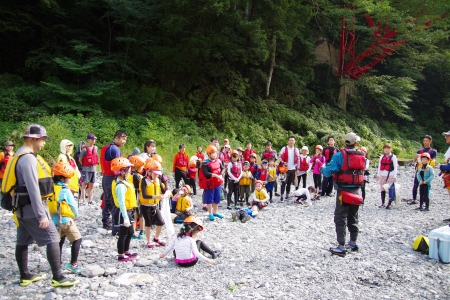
(210, 208)
(83, 192)
(215, 208)
(90, 192)
(158, 232)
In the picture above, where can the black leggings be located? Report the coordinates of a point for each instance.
(299, 177)
(290, 178)
(75, 249)
(191, 182)
(123, 243)
(53, 257)
(317, 180)
(233, 190)
(178, 176)
(423, 188)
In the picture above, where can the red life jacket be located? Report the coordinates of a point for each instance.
(200, 155)
(212, 182)
(226, 157)
(253, 168)
(352, 170)
(5, 161)
(91, 157)
(267, 155)
(303, 164)
(285, 155)
(181, 160)
(106, 164)
(192, 172)
(247, 154)
(386, 163)
(236, 169)
(329, 154)
(263, 174)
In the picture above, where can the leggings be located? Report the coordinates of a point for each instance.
(424, 192)
(75, 249)
(299, 177)
(191, 182)
(123, 243)
(53, 257)
(290, 178)
(178, 176)
(233, 190)
(317, 181)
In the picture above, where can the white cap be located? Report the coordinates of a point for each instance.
(351, 138)
(305, 148)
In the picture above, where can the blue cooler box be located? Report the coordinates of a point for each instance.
(440, 241)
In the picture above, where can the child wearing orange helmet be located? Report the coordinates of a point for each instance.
(317, 161)
(186, 247)
(64, 220)
(192, 173)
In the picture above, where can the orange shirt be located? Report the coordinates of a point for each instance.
(180, 161)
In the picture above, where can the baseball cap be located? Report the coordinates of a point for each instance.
(446, 133)
(91, 136)
(239, 149)
(8, 143)
(351, 138)
(35, 131)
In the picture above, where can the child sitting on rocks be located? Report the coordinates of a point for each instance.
(185, 246)
(245, 214)
(184, 205)
(260, 198)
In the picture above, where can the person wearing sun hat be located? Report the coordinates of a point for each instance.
(348, 165)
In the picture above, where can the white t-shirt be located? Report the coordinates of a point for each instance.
(447, 154)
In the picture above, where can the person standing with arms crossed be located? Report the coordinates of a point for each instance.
(34, 186)
(108, 153)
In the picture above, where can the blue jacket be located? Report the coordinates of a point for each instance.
(335, 166)
(428, 174)
(66, 195)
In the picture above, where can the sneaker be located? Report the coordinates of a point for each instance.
(426, 209)
(382, 206)
(32, 278)
(205, 208)
(233, 216)
(281, 199)
(271, 201)
(220, 216)
(287, 197)
(446, 220)
(216, 254)
(338, 251)
(159, 242)
(418, 208)
(131, 254)
(246, 219)
(388, 207)
(141, 234)
(237, 207)
(352, 247)
(64, 282)
(277, 194)
(74, 268)
(412, 202)
(150, 245)
(135, 236)
(211, 217)
(229, 208)
(125, 258)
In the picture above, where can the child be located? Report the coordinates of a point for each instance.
(66, 148)
(317, 161)
(241, 155)
(180, 164)
(260, 198)
(192, 173)
(246, 214)
(245, 183)
(263, 172)
(366, 172)
(67, 212)
(272, 181)
(173, 200)
(253, 169)
(124, 196)
(234, 175)
(248, 151)
(184, 205)
(424, 176)
(185, 246)
(212, 172)
(303, 194)
(303, 166)
(137, 173)
(151, 193)
(387, 171)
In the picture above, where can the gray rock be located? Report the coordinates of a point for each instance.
(102, 231)
(110, 271)
(92, 270)
(87, 243)
(143, 262)
(128, 279)
(50, 296)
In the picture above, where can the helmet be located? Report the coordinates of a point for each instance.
(425, 154)
(192, 163)
(258, 182)
(119, 163)
(64, 169)
(158, 158)
(195, 220)
(137, 161)
(153, 165)
(253, 155)
(210, 149)
(318, 147)
(364, 149)
(282, 169)
(234, 152)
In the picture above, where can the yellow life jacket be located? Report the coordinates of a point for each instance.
(130, 195)
(44, 176)
(247, 179)
(153, 188)
(183, 203)
(431, 162)
(260, 195)
(52, 203)
(272, 173)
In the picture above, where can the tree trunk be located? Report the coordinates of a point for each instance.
(272, 64)
(343, 93)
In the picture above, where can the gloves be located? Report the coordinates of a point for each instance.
(126, 222)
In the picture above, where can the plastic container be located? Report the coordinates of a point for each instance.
(440, 244)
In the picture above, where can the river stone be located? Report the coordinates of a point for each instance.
(127, 279)
(92, 270)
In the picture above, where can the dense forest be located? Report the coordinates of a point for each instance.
(247, 70)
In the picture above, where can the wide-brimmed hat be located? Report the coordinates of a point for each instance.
(35, 131)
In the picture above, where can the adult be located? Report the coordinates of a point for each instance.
(387, 172)
(81, 145)
(446, 167)
(180, 165)
(34, 183)
(200, 154)
(5, 155)
(248, 151)
(89, 160)
(108, 153)
(289, 157)
(328, 152)
(215, 142)
(427, 140)
(149, 149)
(348, 166)
(66, 148)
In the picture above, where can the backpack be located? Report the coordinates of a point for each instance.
(8, 202)
(421, 244)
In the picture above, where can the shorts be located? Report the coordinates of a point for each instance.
(213, 196)
(88, 177)
(29, 232)
(70, 231)
(152, 216)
